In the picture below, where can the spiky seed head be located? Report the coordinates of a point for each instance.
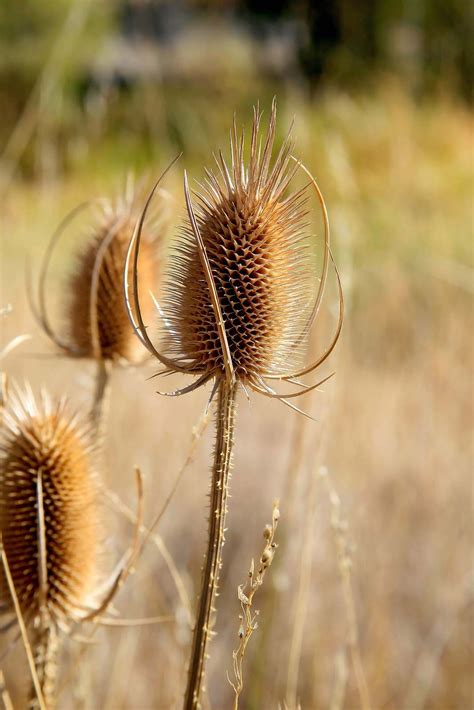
(96, 315)
(261, 261)
(42, 441)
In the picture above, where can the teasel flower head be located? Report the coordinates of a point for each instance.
(242, 288)
(49, 513)
(51, 532)
(95, 322)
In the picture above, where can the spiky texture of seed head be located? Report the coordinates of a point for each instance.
(255, 237)
(96, 316)
(48, 508)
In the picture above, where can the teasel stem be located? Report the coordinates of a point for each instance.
(46, 648)
(101, 402)
(213, 560)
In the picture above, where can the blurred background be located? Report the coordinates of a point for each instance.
(370, 597)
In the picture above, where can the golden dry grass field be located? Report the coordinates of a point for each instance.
(371, 589)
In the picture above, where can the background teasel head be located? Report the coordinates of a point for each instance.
(49, 516)
(95, 318)
(242, 289)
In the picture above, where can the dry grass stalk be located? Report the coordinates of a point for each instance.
(7, 703)
(340, 681)
(301, 598)
(239, 302)
(339, 526)
(36, 686)
(246, 593)
(149, 532)
(427, 664)
(4, 352)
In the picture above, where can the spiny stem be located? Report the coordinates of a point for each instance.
(213, 561)
(46, 646)
(100, 405)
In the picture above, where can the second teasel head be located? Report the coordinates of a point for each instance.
(94, 316)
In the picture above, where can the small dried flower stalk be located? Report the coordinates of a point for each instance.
(246, 593)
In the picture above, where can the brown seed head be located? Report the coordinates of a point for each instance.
(263, 269)
(52, 548)
(96, 315)
(242, 292)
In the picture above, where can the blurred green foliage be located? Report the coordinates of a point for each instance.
(134, 79)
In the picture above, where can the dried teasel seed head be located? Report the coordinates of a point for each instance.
(96, 315)
(255, 238)
(241, 291)
(48, 509)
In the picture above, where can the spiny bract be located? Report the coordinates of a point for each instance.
(45, 455)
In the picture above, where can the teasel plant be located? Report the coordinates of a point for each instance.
(240, 297)
(51, 534)
(94, 319)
